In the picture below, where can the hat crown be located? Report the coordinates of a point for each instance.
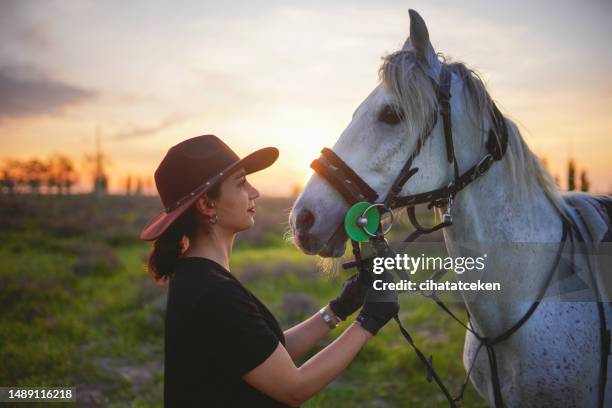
(189, 164)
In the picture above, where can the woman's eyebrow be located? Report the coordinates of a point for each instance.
(240, 174)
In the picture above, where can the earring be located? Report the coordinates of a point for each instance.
(214, 219)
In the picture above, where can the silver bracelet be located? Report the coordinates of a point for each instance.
(331, 323)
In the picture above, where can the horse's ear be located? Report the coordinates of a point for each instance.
(419, 35)
(419, 41)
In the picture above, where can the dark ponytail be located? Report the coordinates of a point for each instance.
(168, 247)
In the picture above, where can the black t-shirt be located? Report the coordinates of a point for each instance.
(216, 331)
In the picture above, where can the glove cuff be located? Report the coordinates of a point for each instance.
(368, 323)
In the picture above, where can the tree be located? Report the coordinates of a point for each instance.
(571, 173)
(585, 184)
(139, 185)
(53, 175)
(10, 174)
(68, 173)
(61, 174)
(36, 172)
(128, 185)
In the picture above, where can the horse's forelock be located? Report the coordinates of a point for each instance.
(403, 76)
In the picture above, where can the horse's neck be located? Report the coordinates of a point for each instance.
(488, 211)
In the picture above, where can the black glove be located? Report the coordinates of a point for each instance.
(350, 299)
(379, 307)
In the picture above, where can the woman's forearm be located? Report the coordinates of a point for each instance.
(305, 335)
(279, 378)
(327, 364)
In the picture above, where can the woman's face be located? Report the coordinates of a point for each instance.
(236, 204)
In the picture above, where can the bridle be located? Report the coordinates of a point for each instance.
(354, 190)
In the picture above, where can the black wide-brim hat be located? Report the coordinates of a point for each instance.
(193, 167)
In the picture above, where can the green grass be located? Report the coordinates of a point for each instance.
(101, 325)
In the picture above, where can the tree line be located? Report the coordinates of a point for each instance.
(58, 174)
(54, 175)
(572, 185)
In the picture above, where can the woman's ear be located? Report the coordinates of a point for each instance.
(205, 206)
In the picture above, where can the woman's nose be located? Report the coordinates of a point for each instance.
(254, 193)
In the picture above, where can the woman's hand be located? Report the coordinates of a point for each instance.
(379, 308)
(350, 299)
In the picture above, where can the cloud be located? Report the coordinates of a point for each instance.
(143, 131)
(26, 92)
(25, 27)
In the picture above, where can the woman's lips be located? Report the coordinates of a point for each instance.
(251, 210)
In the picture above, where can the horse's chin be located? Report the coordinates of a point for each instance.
(336, 246)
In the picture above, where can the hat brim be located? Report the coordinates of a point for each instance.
(251, 163)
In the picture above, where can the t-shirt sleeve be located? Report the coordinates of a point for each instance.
(236, 333)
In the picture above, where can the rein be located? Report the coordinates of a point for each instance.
(355, 190)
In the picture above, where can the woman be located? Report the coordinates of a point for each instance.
(223, 347)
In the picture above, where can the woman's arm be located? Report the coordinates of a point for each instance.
(279, 378)
(302, 337)
(305, 335)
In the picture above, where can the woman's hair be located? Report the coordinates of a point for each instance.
(169, 246)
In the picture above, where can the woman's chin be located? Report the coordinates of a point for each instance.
(251, 222)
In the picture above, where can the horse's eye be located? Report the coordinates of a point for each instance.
(390, 115)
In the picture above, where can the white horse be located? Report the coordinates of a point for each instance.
(553, 360)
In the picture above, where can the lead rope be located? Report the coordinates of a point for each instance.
(431, 373)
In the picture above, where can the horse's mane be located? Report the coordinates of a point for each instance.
(403, 75)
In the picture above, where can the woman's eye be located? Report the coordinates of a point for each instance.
(390, 115)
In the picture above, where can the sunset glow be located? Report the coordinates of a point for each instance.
(145, 76)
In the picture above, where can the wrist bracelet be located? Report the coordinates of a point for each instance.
(331, 323)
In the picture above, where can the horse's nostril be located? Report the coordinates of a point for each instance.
(305, 220)
(303, 223)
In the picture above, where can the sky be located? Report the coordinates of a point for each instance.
(145, 75)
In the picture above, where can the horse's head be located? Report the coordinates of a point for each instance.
(384, 131)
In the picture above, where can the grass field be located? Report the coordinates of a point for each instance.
(78, 308)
